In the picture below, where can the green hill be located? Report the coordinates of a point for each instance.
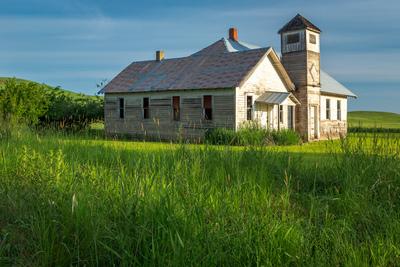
(374, 119)
(50, 88)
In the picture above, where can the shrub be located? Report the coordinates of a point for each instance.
(20, 104)
(221, 136)
(251, 134)
(286, 137)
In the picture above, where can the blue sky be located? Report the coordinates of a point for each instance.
(76, 44)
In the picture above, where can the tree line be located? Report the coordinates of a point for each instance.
(37, 105)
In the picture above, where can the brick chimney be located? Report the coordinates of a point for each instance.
(233, 34)
(159, 55)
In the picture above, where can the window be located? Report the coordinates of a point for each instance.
(146, 109)
(339, 110)
(313, 38)
(280, 114)
(176, 107)
(328, 109)
(121, 108)
(207, 107)
(249, 108)
(293, 38)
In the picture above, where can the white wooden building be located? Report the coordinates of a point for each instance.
(227, 84)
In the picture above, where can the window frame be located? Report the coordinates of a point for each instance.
(121, 108)
(328, 109)
(176, 113)
(293, 38)
(312, 38)
(146, 108)
(339, 110)
(280, 114)
(208, 109)
(249, 108)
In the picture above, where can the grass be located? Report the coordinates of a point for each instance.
(82, 200)
(374, 119)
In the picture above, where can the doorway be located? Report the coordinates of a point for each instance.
(313, 122)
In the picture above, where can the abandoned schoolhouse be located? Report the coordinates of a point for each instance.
(227, 84)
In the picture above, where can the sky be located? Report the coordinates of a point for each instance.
(77, 44)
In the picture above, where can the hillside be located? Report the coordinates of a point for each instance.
(372, 119)
(58, 89)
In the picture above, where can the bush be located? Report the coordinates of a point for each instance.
(220, 136)
(20, 104)
(286, 137)
(70, 111)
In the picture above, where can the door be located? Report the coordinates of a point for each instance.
(290, 117)
(312, 122)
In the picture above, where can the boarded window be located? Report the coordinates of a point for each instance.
(249, 108)
(328, 109)
(146, 108)
(313, 38)
(121, 108)
(176, 107)
(293, 38)
(207, 107)
(339, 110)
(280, 114)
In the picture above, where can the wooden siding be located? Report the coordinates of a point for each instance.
(264, 78)
(161, 125)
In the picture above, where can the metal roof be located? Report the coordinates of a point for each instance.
(226, 45)
(298, 23)
(202, 71)
(276, 98)
(331, 86)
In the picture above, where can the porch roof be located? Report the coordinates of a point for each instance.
(277, 98)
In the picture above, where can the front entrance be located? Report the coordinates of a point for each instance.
(313, 123)
(290, 117)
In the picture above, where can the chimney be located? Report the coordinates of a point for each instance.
(233, 34)
(159, 55)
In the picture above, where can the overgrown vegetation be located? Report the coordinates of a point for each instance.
(31, 104)
(69, 200)
(252, 134)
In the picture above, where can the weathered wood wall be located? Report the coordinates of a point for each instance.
(264, 78)
(161, 125)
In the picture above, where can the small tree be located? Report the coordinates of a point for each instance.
(21, 103)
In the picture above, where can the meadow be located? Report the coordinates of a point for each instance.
(84, 200)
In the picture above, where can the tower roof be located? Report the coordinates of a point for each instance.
(298, 23)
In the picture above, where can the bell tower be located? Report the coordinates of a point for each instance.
(300, 48)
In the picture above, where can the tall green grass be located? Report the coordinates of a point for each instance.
(72, 200)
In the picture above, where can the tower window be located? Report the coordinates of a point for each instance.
(313, 38)
(293, 38)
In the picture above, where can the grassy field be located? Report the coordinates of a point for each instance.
(373, 119)
(84, 201)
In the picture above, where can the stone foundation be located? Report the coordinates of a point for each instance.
(333, 129)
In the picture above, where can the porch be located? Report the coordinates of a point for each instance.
(276, 110)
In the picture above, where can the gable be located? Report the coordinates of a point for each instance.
(265, 77)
